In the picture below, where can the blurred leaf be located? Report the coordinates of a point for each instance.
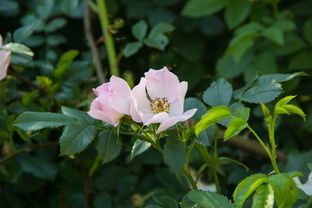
(102, 200)
(218, 93)
(301, 61)
(166, 201)
(22, 33)
(125, 186)
(39, 167)
(76, 137)
(174, 155)
(156, 38)
(307, 30)
(30, 121)
(139, 30)
(208, 199)
(264, 197)
(44, 8)
(274, 34)
(55, 40)
(236, 12)
(9, 7)
(108, 147)
(139, 147)
(132, 48)
(65, 61)
(69, 6)
(17, 48)
(283, 185)
(198, 8)
(191, 103)
(211, 117)
(55, 24)
(246, 187)
(235, 126)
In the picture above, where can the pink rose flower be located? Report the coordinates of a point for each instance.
(159, 98)
(5, 59)
(112, 101)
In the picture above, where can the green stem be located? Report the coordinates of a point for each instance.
(95, 165)
(272, 141)
(275, 7)
(109, 41)
(215, 177)
(188, 175)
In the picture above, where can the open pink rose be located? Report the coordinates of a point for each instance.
(112, 101)
(159, 98)
(5, 59)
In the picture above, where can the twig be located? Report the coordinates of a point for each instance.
(91, 42)
(29, 148)
(109, 41)
(26, 81)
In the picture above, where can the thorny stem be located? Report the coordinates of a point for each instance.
(272, 141)
(109, 41)
(188, 175)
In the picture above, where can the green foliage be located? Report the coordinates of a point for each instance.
(247, 187)
(236, 12)
(17, 48)
(174, 155)
(108, 147)
(211, 117)
(235, 126)
(283, 185)
(264, 197)
(207, 199)
(30, 121)
(139, 147)
(218, 93)
(198, 8)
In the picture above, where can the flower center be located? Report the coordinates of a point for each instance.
(159, 105)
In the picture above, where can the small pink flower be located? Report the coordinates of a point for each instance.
(5, 59)
(112, 101)
(159, 98)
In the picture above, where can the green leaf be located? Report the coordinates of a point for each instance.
(156, 38)
(236, 12)
(307, 30)
(65, 61)
(139, 147)
(247, 187)
(208, 199)
(23, 32)
(132, 48)
(296, 110)
(30, 121)
(265, 90)
(139, 30)
(285, 100)
(17, 48)
(39, 167)
(218, 93)
(108, 147)
(301, 61)
(235, 126)
(76, 114)
(199, 8)
(274, 34)
(190, 103)
(55, 39)
(174, 155)
(212, 116)
(238, 49)
(283, 185)
(152, 206)
(55, 24)
(166, 201)
(264, 197)
(76, 138)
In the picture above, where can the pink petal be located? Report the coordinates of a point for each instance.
(161, 83)
(5, 59)
(120, 95)
(175, 119)
(177, 106)
(140, 109)
(158, 118)
(1, 42)
(102, 89)
(103, 112)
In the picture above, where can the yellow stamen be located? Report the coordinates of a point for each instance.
(159, 105)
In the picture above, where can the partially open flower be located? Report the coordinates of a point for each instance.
(159, 98)
(5, 58)
(112, 101)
